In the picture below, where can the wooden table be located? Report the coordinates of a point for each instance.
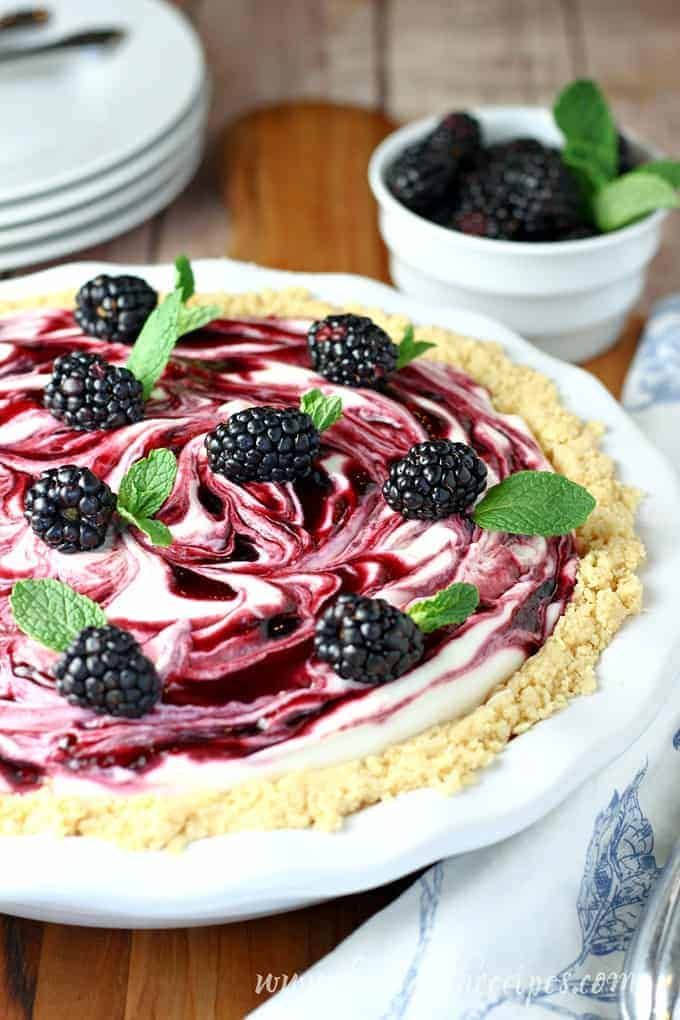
(287, 188)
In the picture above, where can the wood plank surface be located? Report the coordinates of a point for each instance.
(286, 187)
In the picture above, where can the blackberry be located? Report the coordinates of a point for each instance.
(457, 134)
(419, 177)
(351, 350)
(514, 147)
(424, 172)
(519, 194)
(114, 308)
(367, 640)
(434, 480)
(264, 444)
(88, 393)
(70, 509)
(104, 669)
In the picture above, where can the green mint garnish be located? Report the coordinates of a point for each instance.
(410, 348)
(630, 197)
(154, 344)
(452, 605)
(158, 532)
(195, 317)
(52, 613)
(166, 324)
(668, 169)
(324, 411)
(582, 114)
(184, 277)
(534, 503)
(591, 153)
(144, 490)
(587, 167)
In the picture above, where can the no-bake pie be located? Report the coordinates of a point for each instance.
(302, 597)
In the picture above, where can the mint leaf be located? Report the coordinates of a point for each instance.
(154, 344)
(630, 197)
(669, 169)
(410, 349)
(184, 277)
(451, 605)
(195, 317)
(158, 532)
(52, 613)
(324, 411)
(534, 503)
(588, 166)
(582, 114)
(148, 483)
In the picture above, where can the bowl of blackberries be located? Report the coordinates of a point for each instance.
(545, 219)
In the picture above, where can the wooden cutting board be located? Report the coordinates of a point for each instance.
(294, 182)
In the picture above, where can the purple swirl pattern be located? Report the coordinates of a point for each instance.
(228, 611)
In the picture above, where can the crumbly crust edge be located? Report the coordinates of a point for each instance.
(447, 756)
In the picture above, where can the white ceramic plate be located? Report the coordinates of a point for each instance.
(55, 203)
(69, 115)
(101, 228)
(108, 205)
(229, 877)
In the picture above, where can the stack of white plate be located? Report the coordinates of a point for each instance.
(96, 138)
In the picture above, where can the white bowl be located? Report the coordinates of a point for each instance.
(252, 873)
(569, 297)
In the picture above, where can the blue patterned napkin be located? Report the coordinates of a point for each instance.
(538, 924)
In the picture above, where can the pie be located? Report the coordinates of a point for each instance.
(252, 729)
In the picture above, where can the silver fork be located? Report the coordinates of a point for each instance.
(651, 988)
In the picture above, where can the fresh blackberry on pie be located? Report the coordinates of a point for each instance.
(114, 308)
(435, 479)
(88, 393)
(352, 350)
(70, 509)
(264, 444)
(104, 669)
(367, 640)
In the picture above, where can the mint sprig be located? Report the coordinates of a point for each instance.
(53, 613)
(170, 320)
(584, 117)
(452, 605)
(195, 317)
(410, 348)
(324, 411)
(158, 532)
(534, 503)
(144, 490)
(184, 277)
(667, 169)
(154, 344)
(630, 197)
(591, 153)
(588, 168)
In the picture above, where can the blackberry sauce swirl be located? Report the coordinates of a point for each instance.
(227, 612)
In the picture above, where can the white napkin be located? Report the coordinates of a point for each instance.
(538, 924)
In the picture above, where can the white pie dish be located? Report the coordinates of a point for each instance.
(569, 297)
(225, 878)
